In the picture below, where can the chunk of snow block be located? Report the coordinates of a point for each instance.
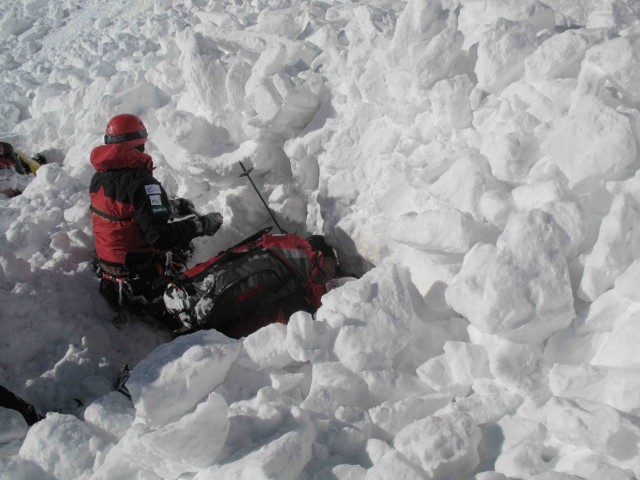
(447, 229)
(603, 313)
(565, 210)
(575, 13)
(537, 194)
(573, 345)
(617, 246)
(593, 142)
(341, 472)
(462, 186)
(349, 432)
(523, 449)
(191, 443)
(430, 272)
(202, 71)
(391, 417)
(332, 386)
(62, 446)
(502, 50)
(442, 446)
(176, 376)
(511, 154)
(613, 14)
(450, 103)
(263, 413)
(113, 413)
(455, 370)
(579, 343)
(308, 339)
(13, 467)
(627, 284)
(237, 76)
(523, 293)
(537, 101)
(617, 350)
(466, 293)
(299, 106)
(420, 21)
(614, 386)
(496, 206)
(12, 425)
(391, 385)
(282, 457)
(592, 467)
(434, 61)
(376, 449)
(284, 382)
(271, 61)
(376, 318)
(595, 426)
(478, 16)
(393, 464)
(287, 103)
(528, 292)
(521, 368)
(265, 348)
(285, 22)
(489, 402)
(266, 99)
(559, 56)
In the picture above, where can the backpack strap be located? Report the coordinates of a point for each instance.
(113, 218)
(249, 239)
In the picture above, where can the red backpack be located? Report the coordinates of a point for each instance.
(245, 278)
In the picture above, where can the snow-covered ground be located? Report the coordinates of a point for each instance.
(474, 160)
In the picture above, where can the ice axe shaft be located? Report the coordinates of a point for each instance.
(247, 174)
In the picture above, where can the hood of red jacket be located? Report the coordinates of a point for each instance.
(117, 156)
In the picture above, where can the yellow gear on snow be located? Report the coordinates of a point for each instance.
(30, 165)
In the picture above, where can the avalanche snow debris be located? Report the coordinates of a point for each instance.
(475, 162)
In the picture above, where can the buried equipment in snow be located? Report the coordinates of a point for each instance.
(246, 278)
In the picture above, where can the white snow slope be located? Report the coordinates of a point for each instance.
(474, 160)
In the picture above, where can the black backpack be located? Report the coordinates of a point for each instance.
(246, 278)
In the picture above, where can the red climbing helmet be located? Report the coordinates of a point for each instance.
(125, 128)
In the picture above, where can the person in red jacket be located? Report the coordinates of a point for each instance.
(16, 169)
(131, 216)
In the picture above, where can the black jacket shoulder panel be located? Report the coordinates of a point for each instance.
(150, 202)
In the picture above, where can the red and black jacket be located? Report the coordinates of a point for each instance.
(130, 209)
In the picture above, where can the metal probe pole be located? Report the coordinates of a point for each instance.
(246, 174)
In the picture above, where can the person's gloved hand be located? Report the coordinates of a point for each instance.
(208, 224)
(39, 158)
(181, 207)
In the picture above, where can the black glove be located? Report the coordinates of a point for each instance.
(208, 224)
(39, 158)
(181, 207)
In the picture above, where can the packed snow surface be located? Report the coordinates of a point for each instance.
(474, 162)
